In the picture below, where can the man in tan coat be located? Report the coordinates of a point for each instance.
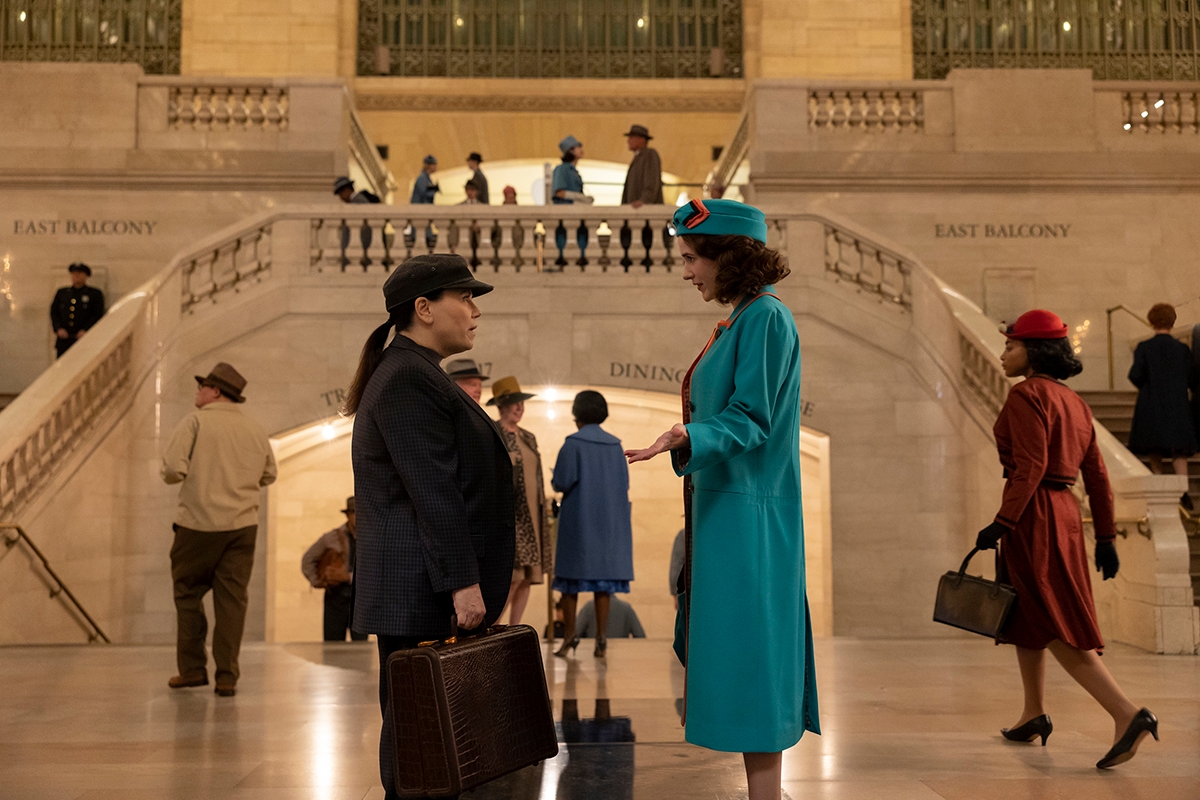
(222, 458)
(643, 182)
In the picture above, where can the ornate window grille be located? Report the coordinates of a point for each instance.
(1115, 39)
(145, 32)
(551, 38)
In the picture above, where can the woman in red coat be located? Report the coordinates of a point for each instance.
(1045, 438)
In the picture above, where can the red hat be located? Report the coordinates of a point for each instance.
(1036, 324)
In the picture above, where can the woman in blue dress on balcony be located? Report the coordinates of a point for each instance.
(744, 632)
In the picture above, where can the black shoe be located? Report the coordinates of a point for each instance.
(567, 646)
(601, 648)
(1186, 502)
(1127, 745)
(1038, 726)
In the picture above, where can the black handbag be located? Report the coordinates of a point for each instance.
(974, 603)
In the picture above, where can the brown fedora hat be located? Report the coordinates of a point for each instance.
(227, 379)
(506, 391)
(639, 130)
(349, 509)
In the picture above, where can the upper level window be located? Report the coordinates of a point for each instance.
(551, 38)
(1115, 39)
(145, 32)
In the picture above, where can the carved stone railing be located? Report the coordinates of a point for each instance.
(981, 375)
(29, 465)
(230, 265)
(229, 107)
(364, 152)
(874, 269)
(732, 156)
(1166, 110)
(494, 238)
(867, 110)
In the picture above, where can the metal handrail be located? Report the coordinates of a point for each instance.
(1108, 312)
(11, 541)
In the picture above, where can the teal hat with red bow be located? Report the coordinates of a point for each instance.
(720, 218)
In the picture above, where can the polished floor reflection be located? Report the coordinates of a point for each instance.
(902, 721)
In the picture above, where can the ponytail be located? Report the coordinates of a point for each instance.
(372, 352)
(368, 362)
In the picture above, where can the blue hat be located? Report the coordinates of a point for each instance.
(429, 160)
(720, 218)
(342, 183)
(569, 143)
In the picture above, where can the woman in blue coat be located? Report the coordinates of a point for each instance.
(746, 637)
(595, 536)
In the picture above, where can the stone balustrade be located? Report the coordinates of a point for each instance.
(494, 238)
(211, 108)
(867, 110)
(1168, 110)
(241, 260)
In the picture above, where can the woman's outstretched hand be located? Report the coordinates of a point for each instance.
(673, 439)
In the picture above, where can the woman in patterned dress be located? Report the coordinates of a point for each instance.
(533, 546)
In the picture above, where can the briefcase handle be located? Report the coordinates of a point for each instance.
(453, 637)
(962, 571)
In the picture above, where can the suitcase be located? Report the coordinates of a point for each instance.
(467, 711)
(973, 603)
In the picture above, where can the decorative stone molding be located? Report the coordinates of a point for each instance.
(723, 103)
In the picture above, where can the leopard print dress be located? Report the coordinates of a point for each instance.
(533, 555)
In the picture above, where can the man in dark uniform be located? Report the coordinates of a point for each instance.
(76, 308)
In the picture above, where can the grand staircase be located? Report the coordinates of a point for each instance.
(1114, 410)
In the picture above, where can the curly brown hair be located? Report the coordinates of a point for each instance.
(744, 265)
(1162, 316)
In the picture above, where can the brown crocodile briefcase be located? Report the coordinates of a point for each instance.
(467, 711)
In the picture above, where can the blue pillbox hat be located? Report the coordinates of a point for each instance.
(720, 218)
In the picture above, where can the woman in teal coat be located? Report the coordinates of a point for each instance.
(747, 641)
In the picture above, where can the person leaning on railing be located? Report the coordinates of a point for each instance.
(433, 483)
(1045, 437)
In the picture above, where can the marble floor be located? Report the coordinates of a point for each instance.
(902, 720)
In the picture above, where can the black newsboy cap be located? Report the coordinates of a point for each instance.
(423, 274)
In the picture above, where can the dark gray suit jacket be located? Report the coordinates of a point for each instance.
(433, 487)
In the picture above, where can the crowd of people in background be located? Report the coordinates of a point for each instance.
(643, 181)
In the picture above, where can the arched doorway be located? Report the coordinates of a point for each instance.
(315, 478)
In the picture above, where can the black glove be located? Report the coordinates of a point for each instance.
(990, 536)
(1107, 560)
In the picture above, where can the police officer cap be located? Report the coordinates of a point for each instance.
(79, 266)
(720, 218)
(420, 275)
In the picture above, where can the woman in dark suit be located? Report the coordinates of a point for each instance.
(432, 477)
(1162, 419)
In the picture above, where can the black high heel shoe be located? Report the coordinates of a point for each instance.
(1144, 722)
(567, 646)
(601, 647)
(1038, 726)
